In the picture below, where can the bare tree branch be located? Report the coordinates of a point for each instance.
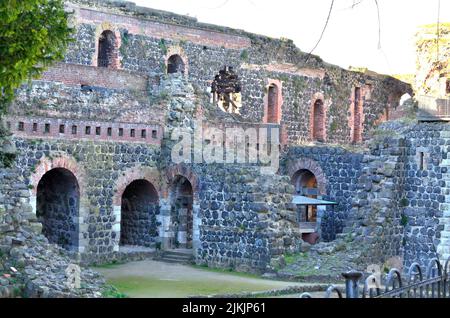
(323, 31)
(355, 3)
(379, 25)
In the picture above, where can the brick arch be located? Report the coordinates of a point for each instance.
(177, 50)
(323, 117)
(63, 161)
(66, 162)
(107, 26)
(151, 175)
(314, 167)
(184, 171)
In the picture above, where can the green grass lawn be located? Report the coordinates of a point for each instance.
(226, 271)
(160, 288)
(152, 285)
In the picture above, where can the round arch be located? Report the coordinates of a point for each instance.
(183, 222)
(313, 166)
(57, 207)
(184, 171)
(139, 210)
(126, 178)
(108, 27)
(46, 164)
(69, 164)
(177, 51)
(151, 175)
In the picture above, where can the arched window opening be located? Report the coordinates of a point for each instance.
(175, 64)
(140, 206)
(107, 52)
(405, 98)
(57, 207)
(272, 104)
(306, 185)
(318, 121)
(182, 199)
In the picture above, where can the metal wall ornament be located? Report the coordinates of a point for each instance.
(226, 91)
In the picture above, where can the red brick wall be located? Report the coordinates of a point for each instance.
(75, 74)
(24, 127)
(165, 30)
(318, 118)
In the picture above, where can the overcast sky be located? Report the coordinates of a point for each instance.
(352, 34)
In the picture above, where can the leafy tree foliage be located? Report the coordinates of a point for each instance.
(33, 34)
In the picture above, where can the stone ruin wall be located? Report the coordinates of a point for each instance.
(401, 205)
(146, 45)
(426, 193)
(244, 218)
(432, 65)
(39, 267)
(337, 171)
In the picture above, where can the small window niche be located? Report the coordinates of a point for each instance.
(273, 101)
(422, 159)
(175, 64)
(107, 50)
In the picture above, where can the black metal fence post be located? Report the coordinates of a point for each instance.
(351, 283)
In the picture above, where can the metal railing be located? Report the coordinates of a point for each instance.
(413, 284)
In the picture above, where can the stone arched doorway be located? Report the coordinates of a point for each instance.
(107, 50)
(57, 207)
(305, 183)
(175, 64)
(139, 209)
(182, 214)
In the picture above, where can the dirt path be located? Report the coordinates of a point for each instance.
(156, 279)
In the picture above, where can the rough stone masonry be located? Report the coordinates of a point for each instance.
(93, 173)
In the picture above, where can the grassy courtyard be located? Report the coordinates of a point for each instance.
(149, 279)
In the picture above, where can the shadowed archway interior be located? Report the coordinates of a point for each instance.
(319, 121)
(305, 183)
(182, 199)
(175, 64)
(57, 207)
(140, 206)
(107, 49)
